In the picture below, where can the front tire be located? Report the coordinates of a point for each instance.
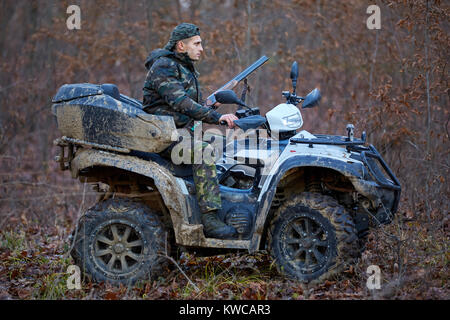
(120, 241)
(312, 237)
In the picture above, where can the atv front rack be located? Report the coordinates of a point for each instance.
(369, 156)
(330, 140)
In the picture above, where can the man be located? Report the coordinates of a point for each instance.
(172, 88)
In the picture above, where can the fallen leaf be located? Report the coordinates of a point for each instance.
(24, 293)
(111, 295)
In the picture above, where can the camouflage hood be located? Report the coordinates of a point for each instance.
(182, 58)
(155, 54)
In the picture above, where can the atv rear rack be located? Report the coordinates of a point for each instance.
(69, 143)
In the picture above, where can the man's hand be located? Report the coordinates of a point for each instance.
(229, 119)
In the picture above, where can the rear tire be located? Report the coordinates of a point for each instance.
(312, 238)
(120, 241)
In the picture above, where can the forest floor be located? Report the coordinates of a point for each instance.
(413, 258)
(39, 209)
(392, 83)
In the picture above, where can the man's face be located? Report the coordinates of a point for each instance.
(192, 46)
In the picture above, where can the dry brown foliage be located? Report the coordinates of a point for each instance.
(392, 83)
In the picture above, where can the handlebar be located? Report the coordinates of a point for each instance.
(250, 122)
(292, 98)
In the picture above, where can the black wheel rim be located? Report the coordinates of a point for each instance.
(118, 248)
(306, 244)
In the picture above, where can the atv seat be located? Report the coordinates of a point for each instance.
(113, 91)
(183, 170)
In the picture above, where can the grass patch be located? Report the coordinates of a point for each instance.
(12, 241)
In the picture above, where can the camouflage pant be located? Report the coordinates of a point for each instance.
(205, 178)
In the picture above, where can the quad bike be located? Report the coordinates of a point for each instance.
(311, 206)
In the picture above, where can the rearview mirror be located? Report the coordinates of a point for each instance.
(294, 71)
(228, 97)
(312, 99)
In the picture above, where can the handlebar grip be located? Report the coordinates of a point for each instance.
(223, 122)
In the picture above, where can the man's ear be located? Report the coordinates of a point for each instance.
(180, 46)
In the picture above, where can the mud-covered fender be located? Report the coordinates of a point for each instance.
(166, 183)
(353, 171)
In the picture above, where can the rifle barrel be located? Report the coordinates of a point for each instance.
(251, 68)
(241, 76)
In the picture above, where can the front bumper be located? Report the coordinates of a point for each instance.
(387, 181)
(379, 185)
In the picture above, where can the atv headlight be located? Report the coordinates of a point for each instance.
(292, 121)
(284, 117)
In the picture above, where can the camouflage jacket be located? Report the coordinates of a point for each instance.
(172, 88)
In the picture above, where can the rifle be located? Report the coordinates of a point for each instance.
(230, 85)
(241, 76)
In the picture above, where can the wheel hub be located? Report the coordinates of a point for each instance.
(307, 243)
(118, 248)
